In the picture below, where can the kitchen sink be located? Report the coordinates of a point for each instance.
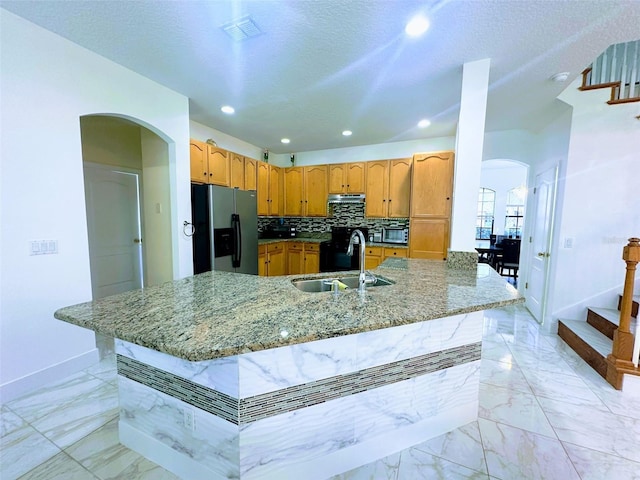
(325, 284)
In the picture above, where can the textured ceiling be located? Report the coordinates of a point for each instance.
(324, 66)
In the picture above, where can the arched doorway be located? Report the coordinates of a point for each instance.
(507, 179)
(128, 206)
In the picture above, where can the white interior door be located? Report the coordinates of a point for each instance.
(544, 203)
(113, 218)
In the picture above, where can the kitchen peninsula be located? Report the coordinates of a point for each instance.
(225, 375)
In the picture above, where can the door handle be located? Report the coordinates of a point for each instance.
(137, 240)
(543, 254)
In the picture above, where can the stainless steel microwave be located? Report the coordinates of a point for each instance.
(395, 235)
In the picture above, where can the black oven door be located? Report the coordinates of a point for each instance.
(333, 258)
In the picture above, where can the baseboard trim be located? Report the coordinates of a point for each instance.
(29, 383)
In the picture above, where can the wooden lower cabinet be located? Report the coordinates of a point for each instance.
(295, 258)
(429, 238)
(311, 258)
(391, 252)
(303, 258)
(262, 260)
(288, 258)
(272, 259)
(374, 256)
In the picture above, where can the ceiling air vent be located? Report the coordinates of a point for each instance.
(242, 29)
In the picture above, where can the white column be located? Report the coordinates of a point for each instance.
(468, 160)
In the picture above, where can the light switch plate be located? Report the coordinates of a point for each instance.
(43, 247)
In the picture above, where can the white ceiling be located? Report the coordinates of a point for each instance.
(323, 66)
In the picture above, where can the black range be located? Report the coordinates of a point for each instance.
(333, 253)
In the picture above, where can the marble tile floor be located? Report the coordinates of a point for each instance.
(544, 414)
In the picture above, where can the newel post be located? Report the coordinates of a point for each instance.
(620, 358)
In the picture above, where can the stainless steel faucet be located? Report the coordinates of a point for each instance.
(362, 278)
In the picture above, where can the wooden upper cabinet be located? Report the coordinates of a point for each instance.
(269, 189)
(377, 188)
(250, 174)
(337, 175)
(305, 191)
(388, 188)
(356, 177)
(431, 185)
(399, 196)
(199, 163)
(275, 190)
(218, 159)
(293, 192)
(347, 177)
(263, 188)
(237, 171)
(316, 186)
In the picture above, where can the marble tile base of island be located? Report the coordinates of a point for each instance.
(309, 410)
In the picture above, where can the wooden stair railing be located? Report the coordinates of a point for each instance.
(620, 362)
(617, 68)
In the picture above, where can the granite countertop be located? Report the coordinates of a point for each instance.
(319, 239)
(299, 238)
(387, 245)
(219, 314)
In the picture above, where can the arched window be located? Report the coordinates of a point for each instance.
(515, 212)
(486, 208)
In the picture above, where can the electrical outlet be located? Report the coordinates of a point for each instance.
(568, 242)
(189, 419)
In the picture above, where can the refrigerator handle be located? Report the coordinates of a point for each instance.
(237, 240)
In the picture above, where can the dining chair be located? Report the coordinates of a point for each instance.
(510, 259)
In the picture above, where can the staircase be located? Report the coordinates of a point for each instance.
(593, 339)
(617, 68)
(606, 340)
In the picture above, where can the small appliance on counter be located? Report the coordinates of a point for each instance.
(395, 235)
(279, 231)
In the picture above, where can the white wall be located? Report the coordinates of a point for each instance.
(111, 141)
(599, 210)
(515, 145)
(47, 84)
(549, 150)
(156, 209)
(380, 151)
(233, 144)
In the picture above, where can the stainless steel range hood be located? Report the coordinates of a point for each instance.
(346, 198)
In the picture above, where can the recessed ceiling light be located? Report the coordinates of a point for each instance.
(346, 133)
(417, 26)
(285, 140)
(228, 110)
(424, 123)
(560, 77)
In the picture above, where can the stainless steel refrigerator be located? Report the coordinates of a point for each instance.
(226, 229)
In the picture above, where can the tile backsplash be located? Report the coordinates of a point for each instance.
(339, 215)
